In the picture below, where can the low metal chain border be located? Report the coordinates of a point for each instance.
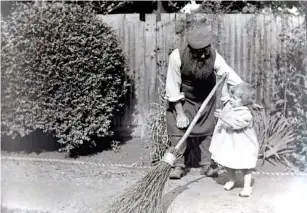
(77, 162)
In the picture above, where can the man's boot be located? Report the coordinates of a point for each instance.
(177, 173)
(210, 170)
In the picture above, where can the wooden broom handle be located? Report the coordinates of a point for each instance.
(205, 103)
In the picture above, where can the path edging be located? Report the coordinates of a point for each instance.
(135, 166)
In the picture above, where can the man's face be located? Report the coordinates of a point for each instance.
(200, 59)
(201, 53)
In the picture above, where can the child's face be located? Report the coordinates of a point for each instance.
(235, 101)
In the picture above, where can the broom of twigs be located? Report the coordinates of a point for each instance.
(145, 196)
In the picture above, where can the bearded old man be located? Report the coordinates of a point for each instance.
(191, 75)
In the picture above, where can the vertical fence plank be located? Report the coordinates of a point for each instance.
(125, 36)
(159, 55)
(172, 32)
(254, 44)
(165, 22)
(150, 59)
(238, 35)
(140, 57)
(131, 22)
(179, 24)
(222, 43)
(229, 41)
(245, 47)
(268, 51)
(164, 48)
(232, 35)
(162, 62)
(261, 64)
(273, 53)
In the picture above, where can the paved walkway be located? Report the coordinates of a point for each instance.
(57, 187)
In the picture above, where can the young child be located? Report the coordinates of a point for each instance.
(234, 142)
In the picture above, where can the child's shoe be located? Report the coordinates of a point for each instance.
(229, 185)
(246, 192)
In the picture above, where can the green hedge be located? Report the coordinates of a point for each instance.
(63, 71)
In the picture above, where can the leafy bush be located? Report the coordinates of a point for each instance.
(291, 84)
(63, 71)
(275, 136)
(289, 97)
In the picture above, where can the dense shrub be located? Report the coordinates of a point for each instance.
(288, 112)
(275, 135)
(291, 84)
(63, 71)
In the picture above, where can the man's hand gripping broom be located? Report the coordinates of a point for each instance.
(171, 158)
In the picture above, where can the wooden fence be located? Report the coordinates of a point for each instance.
(240, 38)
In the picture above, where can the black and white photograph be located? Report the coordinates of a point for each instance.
(153, 106)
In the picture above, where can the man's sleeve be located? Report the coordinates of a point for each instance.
(222, 67)
(173, 78)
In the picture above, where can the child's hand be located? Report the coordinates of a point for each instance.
(257, 107)
(218, 113)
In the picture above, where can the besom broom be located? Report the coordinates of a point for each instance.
(145, 196)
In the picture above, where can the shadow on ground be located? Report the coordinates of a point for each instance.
(102, 144)
(222, 179)
(36, 142)
(169, 197)
(39, 142)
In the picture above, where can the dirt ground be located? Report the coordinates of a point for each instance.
(30, 186)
